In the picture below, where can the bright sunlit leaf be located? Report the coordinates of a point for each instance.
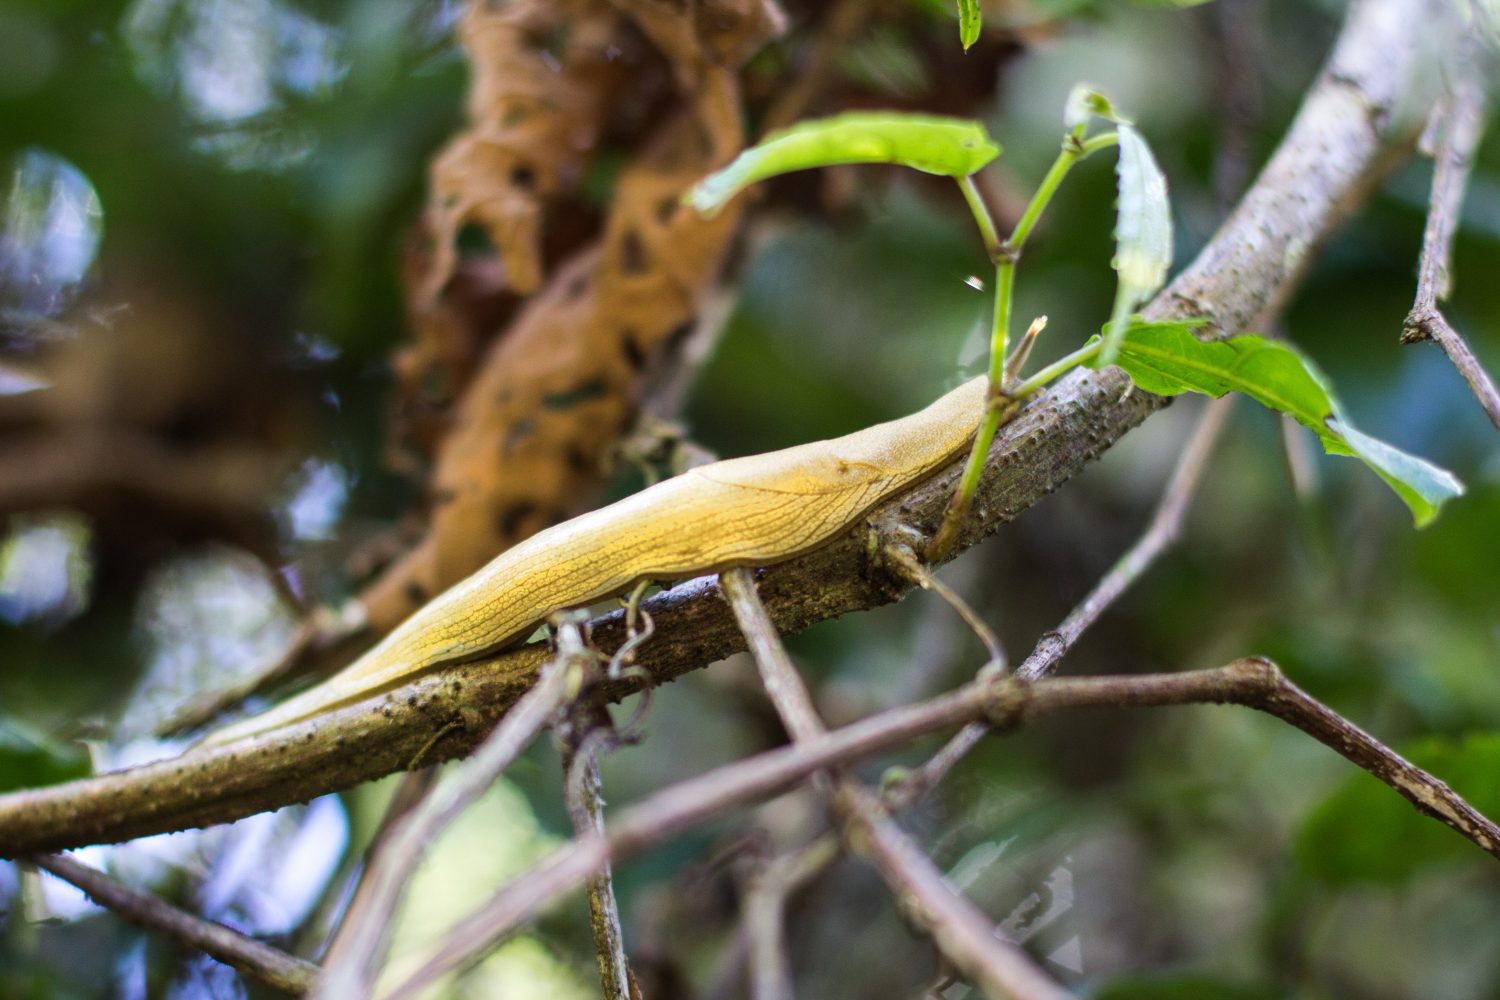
(951, 147)
(970, 20)
(1167, 359)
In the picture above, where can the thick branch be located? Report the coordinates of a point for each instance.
(1318, 172)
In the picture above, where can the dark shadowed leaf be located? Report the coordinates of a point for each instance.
(27, 761)
(1180, 986)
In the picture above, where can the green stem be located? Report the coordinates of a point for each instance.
(1060, 367)
(1074, 148)
(999, 407)
(1005, 283)
(975, 466)
(982, 217)
(1119, 313)
(1103, 141)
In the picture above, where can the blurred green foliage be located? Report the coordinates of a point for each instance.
(27, 761)
(1361, 833)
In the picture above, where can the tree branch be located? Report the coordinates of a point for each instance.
(1315, 177)
(766, 894)
(962, 933)
(1165, 526)
(1458, 122)
(1005, 703)
(356, 955)
(585, 801)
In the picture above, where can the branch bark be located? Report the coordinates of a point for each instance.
(1317, 175)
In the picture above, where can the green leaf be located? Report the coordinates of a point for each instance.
(1180, 986)
(1422, 485)
(1143, 233)
(1365, 832)
(970, 20)
(29, 761)
(1167, 359)
(952, 147)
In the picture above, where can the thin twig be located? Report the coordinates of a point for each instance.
(1016, 363)
(355, 956)
(1428, 794)
(766, 895)
(960, 929)
(678, 808)
(906, 560)
(254, 958)
(347, 889)
(585, 801)
(1458, 122)
(1006, 702)
(1164, 530)
(1160, 534)
(783, 683)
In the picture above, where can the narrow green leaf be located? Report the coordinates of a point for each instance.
(952, 147)
(970, 20)
(1167, 359)
(1143, 233)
